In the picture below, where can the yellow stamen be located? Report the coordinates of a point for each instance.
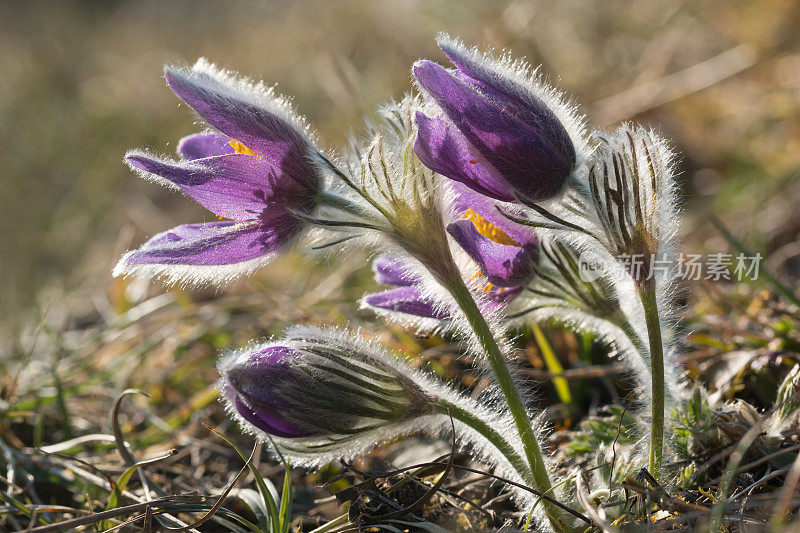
(487, 229)
(476, 275)
(486, 287)
(240, 148)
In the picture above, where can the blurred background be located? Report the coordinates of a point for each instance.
(81, 83)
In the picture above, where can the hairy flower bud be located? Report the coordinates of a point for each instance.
(633, 209)
(328, 394)
(319, 387)
(497, 134)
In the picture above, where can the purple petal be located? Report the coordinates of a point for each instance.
(250, 384)
(407, 300)
(211, 244)
(442, 148)
(244, 113)
(469, 200)
(266, 418)
(238, 186)
(390, 270)
(526, 148)
(503, 265)
(271, 356)
(518, 99)
(201, 145)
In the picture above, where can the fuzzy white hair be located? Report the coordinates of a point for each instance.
(314, 452)
(521, 79)
(230, 87)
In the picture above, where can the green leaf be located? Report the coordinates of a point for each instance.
(553, 365)
(286, 499)
(255, 502)
(619, 425)
(266, 495)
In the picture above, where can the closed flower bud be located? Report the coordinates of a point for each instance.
(633, 202)
(494, 128)
(328, 394)
(320, 389)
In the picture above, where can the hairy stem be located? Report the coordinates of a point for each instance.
(483, 334)
(622, 322)
(647, 294)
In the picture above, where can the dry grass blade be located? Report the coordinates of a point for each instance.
(220, 499)
(167, 503)
(787, 494)
(436, 486)
(23, 362)
(651, 94)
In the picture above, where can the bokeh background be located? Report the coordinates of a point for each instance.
(81, 83)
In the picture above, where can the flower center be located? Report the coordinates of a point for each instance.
(240, 148)
(487, 229)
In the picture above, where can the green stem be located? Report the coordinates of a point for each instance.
(497, 440)
(647, 294)
(483, 334)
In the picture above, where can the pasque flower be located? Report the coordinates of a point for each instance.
(325, 394)
(494, 127)
(254, 169)
(450, 188)
(504, 251)
(319, 386)
(502, 256)
(406, 298)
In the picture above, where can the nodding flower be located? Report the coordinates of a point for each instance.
(504, 251)
(322, 394)
(319, 386)
(495, 127)
(502, 258)
(254, 169)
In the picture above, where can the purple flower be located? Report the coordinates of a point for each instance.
(318, 385)
(498, 134)
(252, 388)
(505, 264)
(407, 298)
(254, 170)
(505, 252)
(407, 301)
